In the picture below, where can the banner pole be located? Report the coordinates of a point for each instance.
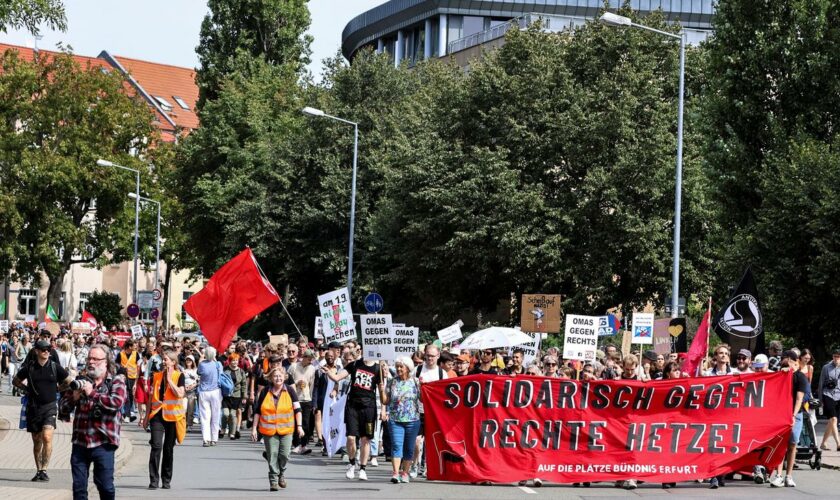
(709, 329)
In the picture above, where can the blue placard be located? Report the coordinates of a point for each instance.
(374, 303)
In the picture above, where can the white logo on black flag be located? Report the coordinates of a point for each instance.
(740, 322)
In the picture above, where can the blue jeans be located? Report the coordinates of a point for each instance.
(403, 437)
(797, 429)
(102, 458)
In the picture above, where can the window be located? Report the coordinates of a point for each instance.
(28, 302)
(83, 300)
(185, 296)
(163, 103)
(181, 102)
(472, 25)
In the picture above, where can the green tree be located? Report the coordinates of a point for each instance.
(105, 307)
(56, 121)
(30, 14)
(273, 30)
(771, 108)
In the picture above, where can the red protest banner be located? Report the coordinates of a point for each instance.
(506, 429)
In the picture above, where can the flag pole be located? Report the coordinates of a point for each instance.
(281, 300)
(708, 332)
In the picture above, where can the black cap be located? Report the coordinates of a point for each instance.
(334, 345)
(650, 355)
(43, 345)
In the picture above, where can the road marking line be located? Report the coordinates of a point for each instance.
(528, 490)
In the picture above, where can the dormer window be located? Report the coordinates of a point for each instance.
(163, 103)
(181, 102)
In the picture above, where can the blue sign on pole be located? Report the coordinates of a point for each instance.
(374, 303)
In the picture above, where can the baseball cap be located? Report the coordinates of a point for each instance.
(463, 357)
(308, 354)
(43, 345)
(650, 355)
(760, 361)
(334, 345)
(745, 352)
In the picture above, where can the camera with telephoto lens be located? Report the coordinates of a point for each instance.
(831, 384)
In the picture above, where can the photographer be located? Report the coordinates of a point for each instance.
(829, 392)
(97, 399)
(42, 376)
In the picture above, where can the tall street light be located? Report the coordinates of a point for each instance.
(157, 241)
(611, 19)
(318, 113)
(106, 163)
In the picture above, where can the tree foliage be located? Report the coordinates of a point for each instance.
(105, 307)
(272, 30)
(30, 14)
(57, 119)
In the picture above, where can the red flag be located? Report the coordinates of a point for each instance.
(88, 318)
(235, 294)
(699, 346)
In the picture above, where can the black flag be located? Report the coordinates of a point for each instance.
(740, 322)
(678, 335)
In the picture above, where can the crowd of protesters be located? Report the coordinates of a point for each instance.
(170, 383)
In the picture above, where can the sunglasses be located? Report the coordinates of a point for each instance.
(743, 357)
(551, 364)
(486, 353)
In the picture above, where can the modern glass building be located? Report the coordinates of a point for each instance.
(415, 30)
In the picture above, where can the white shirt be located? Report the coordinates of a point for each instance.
(431, 374)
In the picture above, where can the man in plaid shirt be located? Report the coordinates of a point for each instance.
(96, 427)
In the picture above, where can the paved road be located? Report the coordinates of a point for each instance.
(235, 469)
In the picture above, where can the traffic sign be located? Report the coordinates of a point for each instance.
(157, 294)
(154, 313)
(133, 310)
(374, 303)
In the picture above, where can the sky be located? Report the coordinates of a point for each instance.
(166, 31)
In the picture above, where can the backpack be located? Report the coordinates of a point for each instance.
(420, 370)
(225, 382)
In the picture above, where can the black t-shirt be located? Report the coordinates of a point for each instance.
(478, 371)
(800, 384)
(364, 380)
(43, 385)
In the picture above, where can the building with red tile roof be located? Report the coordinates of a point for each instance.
(169, 90)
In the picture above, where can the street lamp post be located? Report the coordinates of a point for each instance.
(318, 113)
(106, 163)
(157, 242)
(611, 19)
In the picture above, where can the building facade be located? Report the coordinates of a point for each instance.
(417, 30)
(171, 93)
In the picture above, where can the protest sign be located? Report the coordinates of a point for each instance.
(332, 420)
(281, 339)
(377, 339)
(567, 431)
(337, 316)
(451, 333)
(318, 330)
(540, 313)
(80, 327)
(406, 339)
(136, 331)
(4, 326)
(581, 339)
(531, 349)
(626, 342)
(642, 328)
(607, 325)
(661, 337)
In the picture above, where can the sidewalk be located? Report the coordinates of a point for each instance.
(831, 457)
(16, 463)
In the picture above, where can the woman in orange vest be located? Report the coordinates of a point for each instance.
(167, 417)
(276, 414)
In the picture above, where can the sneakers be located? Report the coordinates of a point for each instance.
(523, 483)
(404, 478)
(362, 475)
(713, 483)
(413, 471)
(776, 481)
(630, 484)
(537, 482)
(206, 444)
(758, 475)
(296, 450)
(374, 462)
(345, 458)
(351, 471)
(395, 477)
(274, 487)
(305, 451)
(789, 482)
(41, 477)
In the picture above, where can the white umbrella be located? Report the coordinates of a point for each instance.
(495, 336)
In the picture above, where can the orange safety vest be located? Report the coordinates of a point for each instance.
(277, 419)
(130, 364)
(173, 407)
(265, 367)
